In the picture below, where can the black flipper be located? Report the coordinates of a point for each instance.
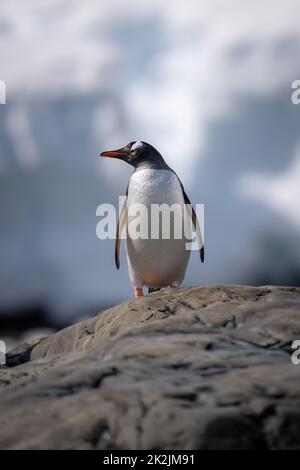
(195, 222)
(121, 224)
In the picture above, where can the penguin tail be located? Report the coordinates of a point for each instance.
(151, 289)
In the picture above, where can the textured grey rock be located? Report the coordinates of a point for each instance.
(199, 368)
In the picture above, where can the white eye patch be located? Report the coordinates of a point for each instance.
(137, 145)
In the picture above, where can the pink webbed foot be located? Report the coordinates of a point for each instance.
(138, 292)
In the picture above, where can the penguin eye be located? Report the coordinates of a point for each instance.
(132, 151)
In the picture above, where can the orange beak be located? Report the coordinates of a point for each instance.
(114, 153)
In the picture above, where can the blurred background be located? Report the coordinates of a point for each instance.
(207, 83)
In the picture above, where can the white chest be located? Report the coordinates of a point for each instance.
(154, 187)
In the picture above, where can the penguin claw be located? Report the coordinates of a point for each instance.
(152, 289)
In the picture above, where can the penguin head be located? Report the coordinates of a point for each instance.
(136, 153)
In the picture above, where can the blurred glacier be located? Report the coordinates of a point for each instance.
(208, 84)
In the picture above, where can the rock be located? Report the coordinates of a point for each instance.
(198, 368)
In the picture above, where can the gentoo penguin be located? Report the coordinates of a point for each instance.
(157, 261)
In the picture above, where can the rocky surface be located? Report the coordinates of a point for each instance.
(199, 368)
